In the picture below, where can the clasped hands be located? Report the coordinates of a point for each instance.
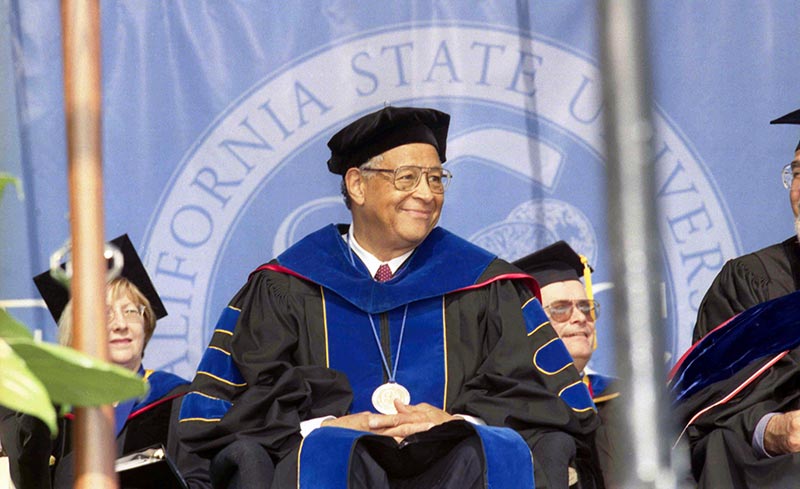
(410, 419)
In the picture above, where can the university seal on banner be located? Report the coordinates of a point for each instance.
(525, 147)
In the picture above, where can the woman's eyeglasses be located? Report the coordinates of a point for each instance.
(128, 314)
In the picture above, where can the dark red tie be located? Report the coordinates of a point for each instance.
(384, 273)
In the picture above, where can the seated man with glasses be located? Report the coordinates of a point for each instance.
(765, 274)
(388, 353)
(572, 311)
(753, 440)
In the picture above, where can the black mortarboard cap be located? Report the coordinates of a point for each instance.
(790, 118)
(56, 296)
(555, 263)
(383, 130)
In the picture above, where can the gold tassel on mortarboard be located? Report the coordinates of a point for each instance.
(587, 283)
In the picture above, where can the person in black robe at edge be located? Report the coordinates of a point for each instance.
(765, 274)
(573, 312)
(752, 440)
(39, 462)
(389, 353)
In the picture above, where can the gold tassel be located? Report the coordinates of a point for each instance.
(587, 282)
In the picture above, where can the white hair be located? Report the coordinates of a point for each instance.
(372, 162)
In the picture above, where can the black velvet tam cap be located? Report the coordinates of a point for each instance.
(555, 263)
(383, 130)
(56, 295)
(790, 118)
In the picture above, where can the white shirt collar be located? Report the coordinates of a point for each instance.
(369, 259)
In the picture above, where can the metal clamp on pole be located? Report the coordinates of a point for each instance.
(61, 263)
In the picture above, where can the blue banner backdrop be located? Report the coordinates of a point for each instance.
(216, 116)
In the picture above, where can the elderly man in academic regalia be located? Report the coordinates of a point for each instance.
(760, 276)
(572, 310)
(744, 427)
(389, 352)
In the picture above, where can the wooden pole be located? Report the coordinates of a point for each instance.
(93, 437)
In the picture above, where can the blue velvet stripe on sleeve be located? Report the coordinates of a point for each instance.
(217, 364)
(227, 320)
(551, 358)
(217, 377)
(577, 396)
(534, 316)
(199, 407)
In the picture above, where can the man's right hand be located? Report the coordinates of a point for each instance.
(410, 419)
(358, 421)
(782, 434)
(377, 424)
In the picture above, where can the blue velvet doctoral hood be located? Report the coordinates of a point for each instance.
(441, 264)
(767, 328)
(161, 383)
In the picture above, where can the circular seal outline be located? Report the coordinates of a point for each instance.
(412, 31)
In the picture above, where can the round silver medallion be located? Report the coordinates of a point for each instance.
(383, 397)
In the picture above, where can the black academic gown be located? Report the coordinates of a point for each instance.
(751, 279)
(37, 462)
(720, 441)
(727, 382)
(292, 347)
(606, 396)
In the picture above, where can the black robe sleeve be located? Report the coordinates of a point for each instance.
(285, 382)
(506, 388)
(193, 467)
(736, 288)
(720, 440)
(748, 281)
(608, 442)
(27, 442)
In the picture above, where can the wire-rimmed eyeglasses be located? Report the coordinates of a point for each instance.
(127, 314)
(406, 178)
(790, 173)
(560, 311)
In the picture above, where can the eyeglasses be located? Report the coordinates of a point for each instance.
(790, 173)
(128, 314)
(561, 311)
(406, 178)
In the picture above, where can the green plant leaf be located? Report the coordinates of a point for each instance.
(72, 377)
(5, 179)
(11, 328)
(21, 391)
